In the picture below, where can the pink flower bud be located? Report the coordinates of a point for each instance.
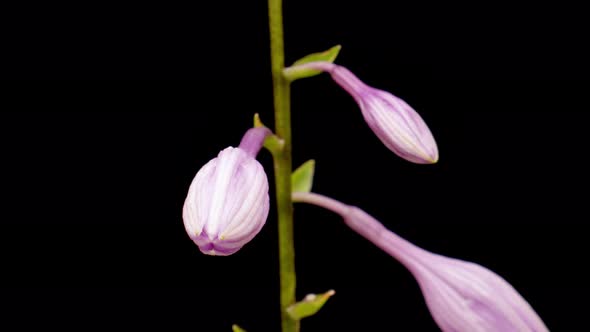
(395, 123)
(461, 296)
(227, 202)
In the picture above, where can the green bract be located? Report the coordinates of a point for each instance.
(302, 177)
(310, 305)
(330, 55)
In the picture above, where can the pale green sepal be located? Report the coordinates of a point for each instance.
(236, 328)
(310, 305)
(292, 74)
(302, 177)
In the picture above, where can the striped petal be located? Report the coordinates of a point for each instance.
(227, 203)
(461, 296)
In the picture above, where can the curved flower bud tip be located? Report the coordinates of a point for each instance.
(399, 127)
(461, 296)
(227, 202)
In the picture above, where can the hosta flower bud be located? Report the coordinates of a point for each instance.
(227, 202)
(461, 296)
(395, 123)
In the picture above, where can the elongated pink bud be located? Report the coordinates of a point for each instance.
(227, 202)
(399, 127)
(461, 296)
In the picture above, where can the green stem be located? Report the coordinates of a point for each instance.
(282, 165)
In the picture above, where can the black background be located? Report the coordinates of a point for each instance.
(95, 172)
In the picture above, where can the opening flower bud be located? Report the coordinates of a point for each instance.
(227, 202)
(461, 296)
(399, 127)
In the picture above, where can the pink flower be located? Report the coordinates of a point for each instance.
(399, 127)
(227, 202)
(461, 296)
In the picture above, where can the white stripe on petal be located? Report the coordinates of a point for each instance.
(226, 166)
(248, 217)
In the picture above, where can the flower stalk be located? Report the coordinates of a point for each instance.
(283, 165)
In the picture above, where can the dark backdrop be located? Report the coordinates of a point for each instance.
(94, 173)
